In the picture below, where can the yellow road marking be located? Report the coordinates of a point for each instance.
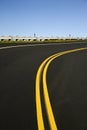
(38, 99)
(43, 70)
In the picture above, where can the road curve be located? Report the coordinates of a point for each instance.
(18, 68)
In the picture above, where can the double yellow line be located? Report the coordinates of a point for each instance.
(42, 71)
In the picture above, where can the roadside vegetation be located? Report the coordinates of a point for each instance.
(35, 41)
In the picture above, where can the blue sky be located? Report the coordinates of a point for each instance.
(43, 17)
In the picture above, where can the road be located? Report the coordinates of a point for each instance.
(66, 83)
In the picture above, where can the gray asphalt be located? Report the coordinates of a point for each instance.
(66, 80)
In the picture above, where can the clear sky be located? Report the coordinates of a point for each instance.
(43, 17)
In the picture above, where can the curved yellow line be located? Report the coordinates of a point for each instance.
(45, 66)
(51, 118)
(38, 101)
(40, 121)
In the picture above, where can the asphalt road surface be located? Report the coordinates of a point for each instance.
(66, 83)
